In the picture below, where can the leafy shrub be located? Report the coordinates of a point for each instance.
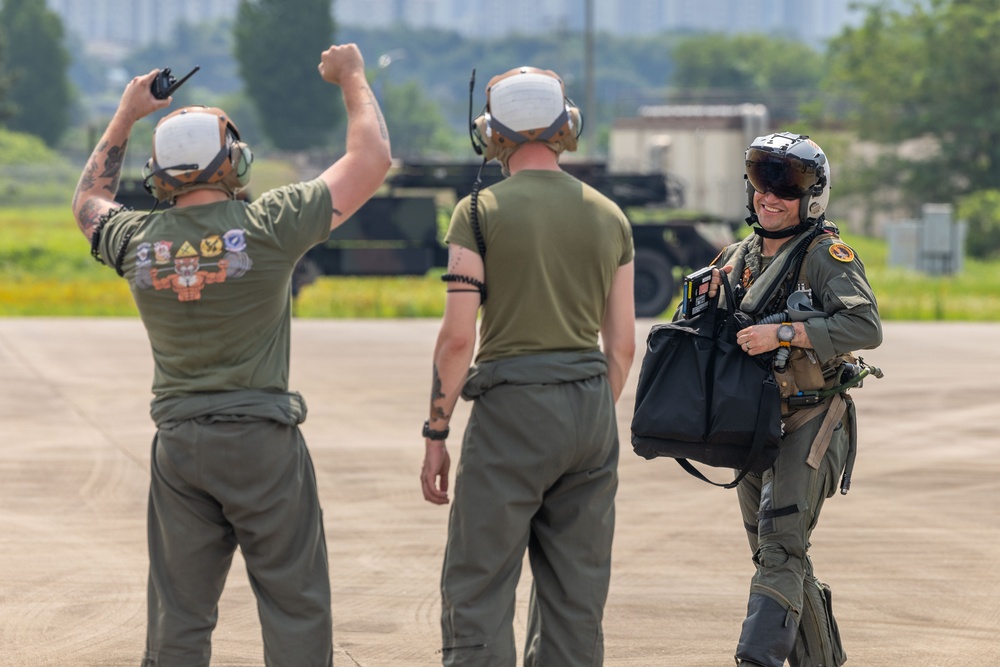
(17, 148)
(981, 211)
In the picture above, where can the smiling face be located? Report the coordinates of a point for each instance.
(775, 214)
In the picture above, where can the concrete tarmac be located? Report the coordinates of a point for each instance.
(912, 552)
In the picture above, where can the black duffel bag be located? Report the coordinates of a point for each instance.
(701, 398)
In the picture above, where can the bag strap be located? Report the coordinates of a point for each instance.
(768, 403)
(785, 277)
(802, 276)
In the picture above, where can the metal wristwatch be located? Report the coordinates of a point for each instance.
(786, 332)
(785, 335)
(431, 434)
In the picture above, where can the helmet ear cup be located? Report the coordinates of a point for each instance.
(151, 184)
(484, 135)
(147, 177)
(241, 158)
(574, 128)
(476, 131)
(575, 118)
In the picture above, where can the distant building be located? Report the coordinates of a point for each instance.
(809, 21)
(121, 25)
(700, 145)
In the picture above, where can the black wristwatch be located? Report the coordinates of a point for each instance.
(431, 434)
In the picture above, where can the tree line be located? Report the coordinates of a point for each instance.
(923, 73)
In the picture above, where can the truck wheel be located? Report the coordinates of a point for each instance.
(654, 283)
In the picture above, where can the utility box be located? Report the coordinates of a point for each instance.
(934, 244)
(702, 146)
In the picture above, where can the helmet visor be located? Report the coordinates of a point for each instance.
(786, 176)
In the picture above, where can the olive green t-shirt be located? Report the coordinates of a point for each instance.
(553, 245)
(213, 285)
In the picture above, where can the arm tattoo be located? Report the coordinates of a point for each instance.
(113, 166)
(436, 394)
(337, 211)
(90, 215)
(455, 259)
(87, 180)
(378, 114)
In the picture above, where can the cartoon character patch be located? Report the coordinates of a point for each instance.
(747, 278)
(143, 262)
(841, 253)
(162, 251)
(190, 274)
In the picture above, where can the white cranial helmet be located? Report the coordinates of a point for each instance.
(526, 104)
(197, 147)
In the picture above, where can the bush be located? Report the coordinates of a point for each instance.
(17, 148)
(981, 211)
(32, 173)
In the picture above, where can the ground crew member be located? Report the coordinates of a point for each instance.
(795, 249)
(211, 279)
(549, 259)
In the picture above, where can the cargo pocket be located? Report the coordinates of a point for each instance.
(819, 642)
(786, 383)
(805, 370)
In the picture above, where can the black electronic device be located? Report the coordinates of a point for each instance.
(694, 293)
(165, 83)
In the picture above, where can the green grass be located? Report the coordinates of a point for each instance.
(46, 270)
(350, 297)
(972, 296)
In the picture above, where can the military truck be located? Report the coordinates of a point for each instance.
(399, 233)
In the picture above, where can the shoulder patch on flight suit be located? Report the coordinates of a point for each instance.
(841, 253)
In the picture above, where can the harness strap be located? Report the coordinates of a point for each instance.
(834, 409)
(519, 138)
(203, 177)
(781, 511)
(822, 441)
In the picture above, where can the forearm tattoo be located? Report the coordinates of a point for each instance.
(87, 179)
(113, 160)
(378, 114)
(113, 166)
(437, 411)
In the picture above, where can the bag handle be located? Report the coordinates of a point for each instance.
(768, 403)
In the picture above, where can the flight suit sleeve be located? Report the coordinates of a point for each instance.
(839, 285)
